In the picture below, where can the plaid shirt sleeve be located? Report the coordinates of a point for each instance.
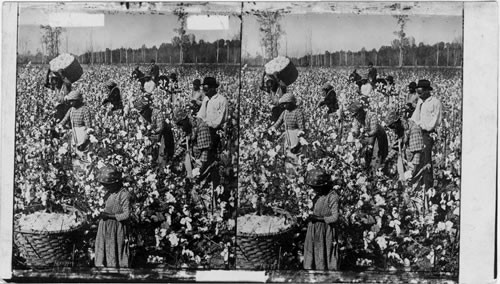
(294, 119)
(300, 120)
(371, 124)
(86, 116)
(203, 139)
(81, 117)
(202, 143)
(392, 153)
(393, 150)
(158, 120)
(416, 142)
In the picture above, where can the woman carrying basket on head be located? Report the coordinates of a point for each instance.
(273, 86)
(79, 117)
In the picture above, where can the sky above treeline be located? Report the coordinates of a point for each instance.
(318, 33)
(308, 29)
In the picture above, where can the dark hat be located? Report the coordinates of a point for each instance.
(173, 75)
(327, 86)
(370, 63)
(153, 61)
(197, 82)
(355, 107)
(412, 85)
(109, 175)
(317, 178)
(180, 114)
(210, 81)
(392, 117)
(424, 84)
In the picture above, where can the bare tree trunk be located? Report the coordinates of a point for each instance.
(447, 56)
(437, 56)
(400, 56)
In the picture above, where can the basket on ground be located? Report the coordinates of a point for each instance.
(47, 248)
(263, 250)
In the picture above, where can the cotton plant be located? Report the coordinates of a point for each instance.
(378, 207)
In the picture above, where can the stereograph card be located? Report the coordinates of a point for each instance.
(249, 141)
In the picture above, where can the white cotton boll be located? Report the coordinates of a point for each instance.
(358, 145)
(350, 138)
(93, 139)
(42, 221)
(408, 175)
(252, 223)
(303, 141)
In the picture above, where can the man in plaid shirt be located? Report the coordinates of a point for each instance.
(374, 136)
(198, 139)
(160, 133)
(409, 138)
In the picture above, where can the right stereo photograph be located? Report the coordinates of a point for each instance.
(350, 137)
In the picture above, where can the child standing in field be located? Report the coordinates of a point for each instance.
(111, 244)
(321, 247)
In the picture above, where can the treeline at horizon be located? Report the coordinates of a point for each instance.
(229, 52)
(438, 55)
(219, 51)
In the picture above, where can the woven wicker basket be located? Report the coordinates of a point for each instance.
(47, 248)
(289, 74)
(261, 251)
(73, 71)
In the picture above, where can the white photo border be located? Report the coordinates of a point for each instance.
(479, 142)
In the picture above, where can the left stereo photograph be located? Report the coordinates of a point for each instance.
(126, 135)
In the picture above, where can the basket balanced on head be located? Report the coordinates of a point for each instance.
(46, 239)
(287, 72)
(69, 65)
(261, 238)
